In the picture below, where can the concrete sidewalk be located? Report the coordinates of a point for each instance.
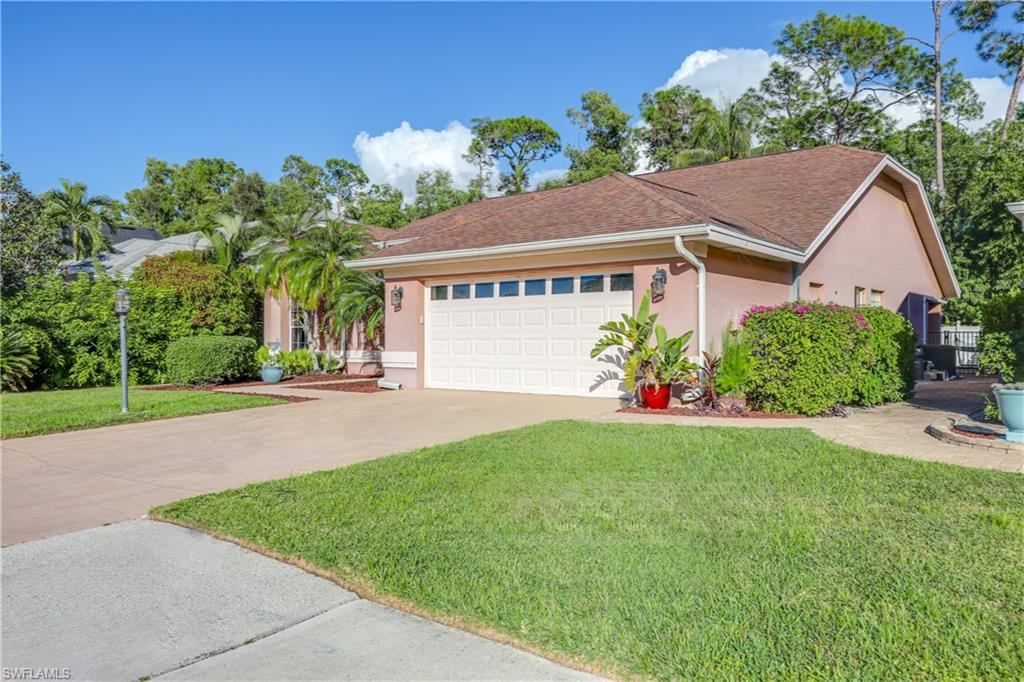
(143, 598)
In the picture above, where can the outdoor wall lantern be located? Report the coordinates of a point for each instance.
(658, 283)
(122, 303)
(396, 298)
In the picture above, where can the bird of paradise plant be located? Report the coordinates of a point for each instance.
(647, 364)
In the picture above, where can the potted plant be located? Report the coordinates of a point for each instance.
(999, 354)
(269, 358)
(649, 369)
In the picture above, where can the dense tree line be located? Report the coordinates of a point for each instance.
(839, 81)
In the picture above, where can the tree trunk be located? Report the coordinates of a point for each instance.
(1011, 107)
(940, 179)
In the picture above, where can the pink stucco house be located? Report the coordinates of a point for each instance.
(506, 294)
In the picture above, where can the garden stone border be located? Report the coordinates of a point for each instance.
(942, 429)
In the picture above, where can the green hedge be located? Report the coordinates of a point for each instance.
(890, 372)
(210, 359)
(811, 357)
(1001, 346)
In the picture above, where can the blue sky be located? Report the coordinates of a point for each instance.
(90, 90)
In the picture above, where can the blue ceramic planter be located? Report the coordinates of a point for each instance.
(271, 375)
(1011, 409)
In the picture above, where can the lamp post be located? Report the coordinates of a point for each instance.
(122, 302)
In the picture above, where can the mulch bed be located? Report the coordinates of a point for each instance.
(212, 389)
(369, 386)
(303, 379)
(279, 396)
(974, 434)
(172, 387)
(729, 412)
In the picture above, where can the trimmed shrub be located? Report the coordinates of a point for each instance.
(890, 372)
(811, 357)
(210, 359)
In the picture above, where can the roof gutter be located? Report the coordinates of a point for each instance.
(702, 297)
(713, 233)
(539, 247)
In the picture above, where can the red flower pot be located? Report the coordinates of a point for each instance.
(656, 398)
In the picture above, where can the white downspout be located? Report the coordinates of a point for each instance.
(702, 277)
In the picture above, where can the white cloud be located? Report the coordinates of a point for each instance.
(727, 73)
(397, 156)
(538, 177)
(995, 95)
(723, 74)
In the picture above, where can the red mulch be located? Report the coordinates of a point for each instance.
(740, 413)
(211, 389)
(358, 387)
(972, 434)
(303, 379)
(279, 396)
(172, 387)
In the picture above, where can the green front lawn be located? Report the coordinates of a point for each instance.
(29, 414)
(672, 551)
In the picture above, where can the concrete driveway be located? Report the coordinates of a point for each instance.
(138, 599)
(82, 479)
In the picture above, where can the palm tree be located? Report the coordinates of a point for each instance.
(229, 240)
(79, 215)
(725, 133)
(359, 298)
(310, 264)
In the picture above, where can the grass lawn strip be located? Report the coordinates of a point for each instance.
(671, 551)
(39, 412)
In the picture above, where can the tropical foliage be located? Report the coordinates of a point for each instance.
(17, 359)
(77, 214)
(736, 364)
(646, 362)
(309, 265)
(74, 330)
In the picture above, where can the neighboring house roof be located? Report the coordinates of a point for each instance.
(114, 235)
(123, 233)
(1017, 209)
(129, 254)
(783, 205)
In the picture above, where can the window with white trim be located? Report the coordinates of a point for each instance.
(860, 297)
(297, 333)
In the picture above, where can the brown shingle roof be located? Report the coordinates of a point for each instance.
(786, 199)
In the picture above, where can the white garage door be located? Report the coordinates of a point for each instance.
(528, 335)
